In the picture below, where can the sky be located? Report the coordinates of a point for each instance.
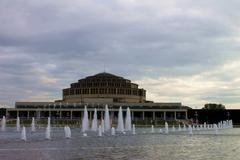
(179, 51)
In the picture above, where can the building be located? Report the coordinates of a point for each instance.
(95, 92)
(104, 88)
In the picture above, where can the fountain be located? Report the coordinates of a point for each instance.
(152, 131)
(102, 124)
(166, 128)
(120, 126)
(173, 128)
(94, 121)
(48, 130)
(113, 131)
(23, 134)
(49, 122)
(48, 133)
(215, 129)
(179, 128)
(33, 128)
(190, 131)
(230, 124)
(67, 132)
(128, 122)
(198, 127)
(160, 130)
(106, 119)
(18, 124)
(100, 131)
(133, 129)
(204, 126)
(224, 124)
(100, 145)
(220, 125)
(85, 122)
(184, 127)
(3, 124)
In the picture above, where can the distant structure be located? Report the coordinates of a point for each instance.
(95, 92)
(104, 88)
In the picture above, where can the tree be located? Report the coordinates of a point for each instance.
(214, 106)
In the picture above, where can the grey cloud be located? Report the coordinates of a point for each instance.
(132, 39)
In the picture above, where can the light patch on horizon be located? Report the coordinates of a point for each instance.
(40, 97)
(48, 80)
(197, 90)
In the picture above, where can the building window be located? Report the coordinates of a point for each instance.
(96, 90)
(105, 91)
(92, 91)
(101, 90)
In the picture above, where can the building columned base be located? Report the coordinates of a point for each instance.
(139, 112)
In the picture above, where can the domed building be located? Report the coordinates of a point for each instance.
(104, 88)
(95, 92)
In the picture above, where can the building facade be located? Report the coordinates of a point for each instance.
(139, 111)
(96, 92)
(104, 88)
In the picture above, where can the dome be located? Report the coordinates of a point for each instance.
(104, 87)
(104, 75)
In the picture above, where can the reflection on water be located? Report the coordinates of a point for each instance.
(201, 145)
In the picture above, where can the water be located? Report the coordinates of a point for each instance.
(179, 145)
(106, 119)
(85, 121)
(120, 125)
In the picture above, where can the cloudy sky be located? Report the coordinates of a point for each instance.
(184, 51)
